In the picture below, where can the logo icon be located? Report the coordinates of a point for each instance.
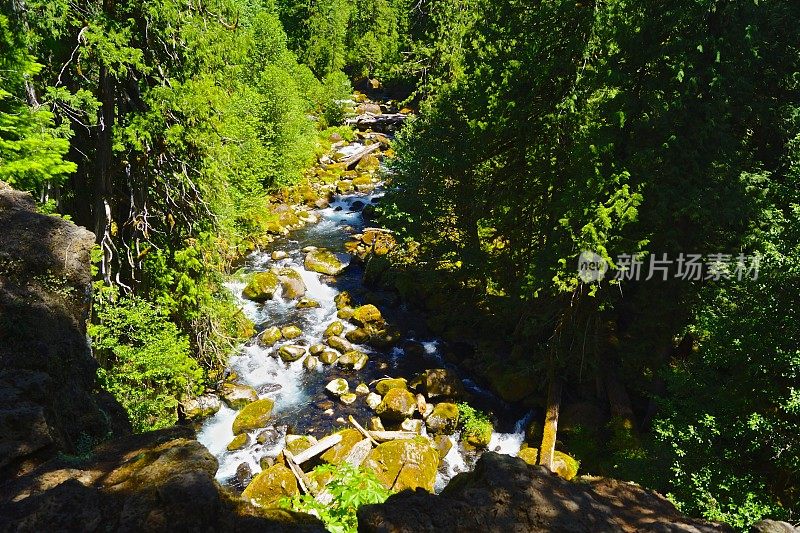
(591, 267)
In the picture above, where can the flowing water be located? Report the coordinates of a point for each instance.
(301, 403)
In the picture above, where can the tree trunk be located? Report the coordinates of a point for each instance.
(548, 447)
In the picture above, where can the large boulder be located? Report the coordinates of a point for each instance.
(254, 416)
(237, 396)
(365, 314)
(337, 454)
(291, 352)
(340, 344)
(404, 464)
(292, 283)
(201, 406)
(49, 398)
(270, 486)
(262, 287)
(338, 386)
(505, 494)
(354, 359)
(158, 481)
(443, 419)
(397, 405)
(383, 386)
(441, 382)
(324, 262)
(271, 335)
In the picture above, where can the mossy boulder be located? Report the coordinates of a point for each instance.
(316, 349)
(340, 344)
(337, 386)
(384, 385)
(238, 442)
(479, 436)
(373, 400)
(311, 363)
(334, 329)
(343, 299)
(291, 352)
(291, 332)
(262, 287)
(438, 382)
(292, 283)
(337, 454)
(365, 314)
(324, 262)
(329, 356)
(307, 303)
(353, 359)
(564, 465)
(299, 443)
(268, 487)
(345, 313)
(443, 419)
(357, 336)
(404, 464)
(253, 416)
(348, 398)
(237, 396)
(443, 444)
(397, 405)
(271, 335)
(201, 406)
(529, 455)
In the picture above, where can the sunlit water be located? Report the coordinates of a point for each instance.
(301, 405)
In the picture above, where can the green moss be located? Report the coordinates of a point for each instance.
(253, 416)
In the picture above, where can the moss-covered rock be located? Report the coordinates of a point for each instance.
(340, 344)
(362, 388)
(564, 465)
(357, 336)
(291, 332)
(299, 443)
(529, 455)
(334, 329)
(291, 352)
(311, 363)
(510, 383)
(348, 398)
(201, 406)
(268, 487)
(237, 396)
(262, 287)
(316, 349)
(397, 405)
(384, 385)
(292, 283)
(337, 386)
(438, 382)
(254, 416)
(324, 262)
(238, 442)
(337, 454)
(345, 313)
(365, 314)
(343, 299)
(404, 464)
(271, 335)
(329, 357)
(307, 303)
(443, 444)
(443, 419)
(354, 359)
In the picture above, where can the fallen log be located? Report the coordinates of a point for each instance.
(383, 436)
(353, 159)
(302, 480)
(362, 430)
(358, 453)
(328, 442)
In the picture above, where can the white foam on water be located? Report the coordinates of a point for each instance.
(452, 464)
(510, 443)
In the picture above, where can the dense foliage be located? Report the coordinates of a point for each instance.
(630, 130)
(350, 488)
(161, 126)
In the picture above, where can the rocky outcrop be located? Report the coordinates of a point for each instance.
(158, 481)
(49, 399)
(503, 493)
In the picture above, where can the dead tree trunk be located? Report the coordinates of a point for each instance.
(548, 447)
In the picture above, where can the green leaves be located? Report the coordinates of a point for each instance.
(350, 488)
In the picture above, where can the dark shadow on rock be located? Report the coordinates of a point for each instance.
(505, 494)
